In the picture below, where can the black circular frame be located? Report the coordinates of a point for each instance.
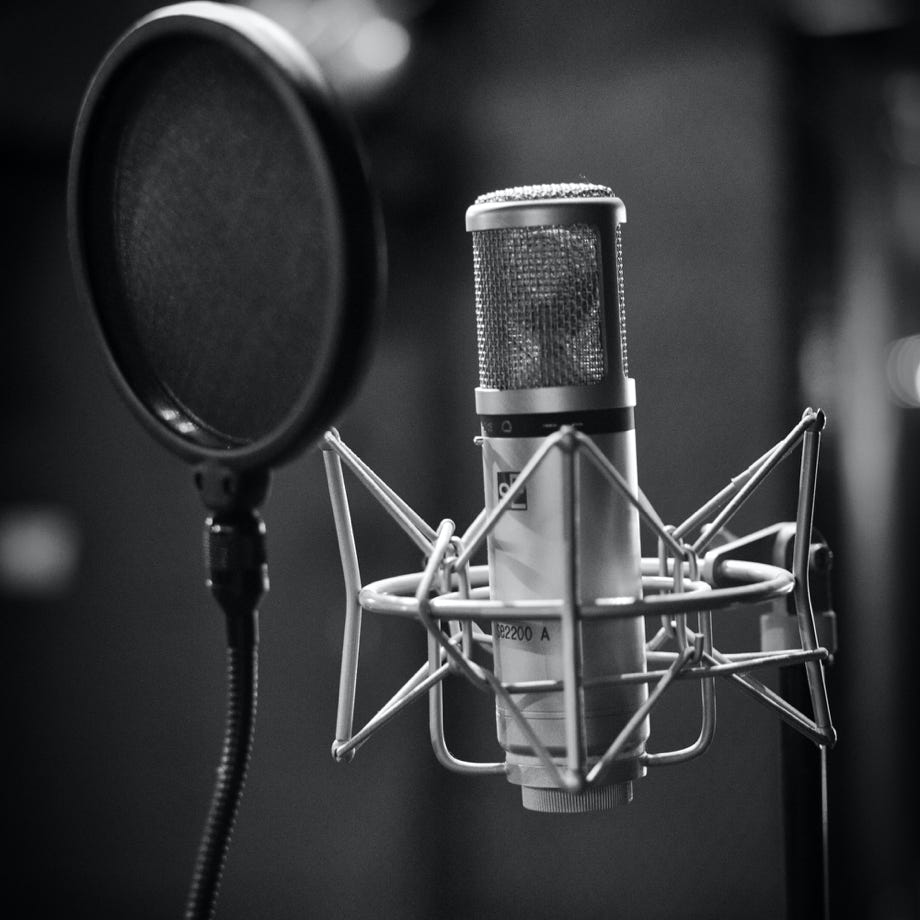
(332, 157)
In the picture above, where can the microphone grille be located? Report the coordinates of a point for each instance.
(539, 297)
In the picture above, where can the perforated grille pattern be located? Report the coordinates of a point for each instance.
(539, 316)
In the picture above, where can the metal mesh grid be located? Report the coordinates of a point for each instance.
(539, 315)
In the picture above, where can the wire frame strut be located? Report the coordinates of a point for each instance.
(686, 582)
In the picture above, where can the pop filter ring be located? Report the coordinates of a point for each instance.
(329, 150)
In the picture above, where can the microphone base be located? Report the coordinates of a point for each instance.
(597, 798)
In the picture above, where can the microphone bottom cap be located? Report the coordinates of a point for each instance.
(596, 798)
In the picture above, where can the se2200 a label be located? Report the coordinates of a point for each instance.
(520, 632)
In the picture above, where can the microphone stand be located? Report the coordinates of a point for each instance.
(234, 544)
(803, 769)
(804, 778)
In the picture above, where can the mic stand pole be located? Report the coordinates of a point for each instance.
(804, 770)
(804, 775)
(234, 544)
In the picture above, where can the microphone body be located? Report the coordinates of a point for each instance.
(552, 352)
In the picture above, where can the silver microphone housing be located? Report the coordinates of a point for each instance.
(550, 318)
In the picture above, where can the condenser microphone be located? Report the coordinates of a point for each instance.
(550, 318)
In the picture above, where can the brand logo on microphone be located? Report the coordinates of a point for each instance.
(503, 481)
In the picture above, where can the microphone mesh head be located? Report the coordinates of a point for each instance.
(539, 297)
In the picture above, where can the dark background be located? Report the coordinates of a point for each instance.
(769, 158)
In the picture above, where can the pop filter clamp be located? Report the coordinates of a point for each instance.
(226, 241)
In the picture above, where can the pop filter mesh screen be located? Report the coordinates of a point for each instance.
(215, 240)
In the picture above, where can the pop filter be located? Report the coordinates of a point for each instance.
(223, 234)
(225, 238)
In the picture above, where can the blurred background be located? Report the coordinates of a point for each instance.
(769, 157)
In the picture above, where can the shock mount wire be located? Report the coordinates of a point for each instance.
(450, 599)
